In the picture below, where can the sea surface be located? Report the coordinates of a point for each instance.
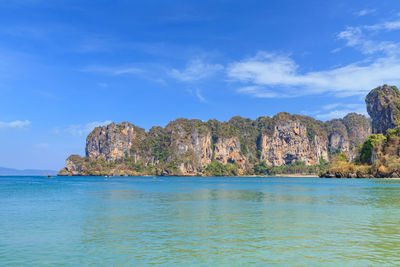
(139, 221)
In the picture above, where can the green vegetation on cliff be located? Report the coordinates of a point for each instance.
(282, 144)
(378, 157)
(373, 142)
(240, 146)
(216, 168)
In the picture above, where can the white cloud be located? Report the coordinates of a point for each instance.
(264, 68)
(388, 25)
(200, 96)
(84, 129)
(151, 72)
(14, 124)
(355, 107)
(336, 110)
(356, 38)
(364, 12)
(257, 91)
(352, 35)
(268, 75)
(112, 70)
(334, 114)
(265, 76)
(197, 93)
(195, 70)
(339, 110)
(331, 106)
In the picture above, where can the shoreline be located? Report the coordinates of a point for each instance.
(261, 176)
(192, 176)
(294, 175)
(244, 176)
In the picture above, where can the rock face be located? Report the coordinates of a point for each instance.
(346, 134)
(338, 143)
(74, 166)
(289, 143)
(189, 147)
(227, 150)
(112, 142)
(383, 106)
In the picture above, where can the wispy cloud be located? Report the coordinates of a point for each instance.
(360, 108)
(364, 12)
(355, 37)
(270, 75)
(120, 70)
(195, 70)
(196, 92)
(334, 114)
(259, 91)
(200, 96)
(358, 37)
(153, 72)
(14, 124)
(84, 129)
(388, 26)
(264, 69)
(339, 110)
(331, 106)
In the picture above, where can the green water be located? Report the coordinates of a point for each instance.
(81, 221)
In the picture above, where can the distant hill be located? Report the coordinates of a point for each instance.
(16, 172)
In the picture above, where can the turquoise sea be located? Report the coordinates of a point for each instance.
(137, 221)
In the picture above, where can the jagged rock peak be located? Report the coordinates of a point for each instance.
(383, 106)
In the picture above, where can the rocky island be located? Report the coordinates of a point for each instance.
(284, 143)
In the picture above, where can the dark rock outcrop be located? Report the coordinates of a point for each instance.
(383, 106)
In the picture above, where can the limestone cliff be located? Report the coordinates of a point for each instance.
(383, 105)
(112, 142)
(289, 143)
(75, 165)
(194, 147)
(190, 145)
(379, 154)
(346, 134)
(228, 150)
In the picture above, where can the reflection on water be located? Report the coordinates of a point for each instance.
(198, 221)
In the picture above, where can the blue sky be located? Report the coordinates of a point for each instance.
(67, 66)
